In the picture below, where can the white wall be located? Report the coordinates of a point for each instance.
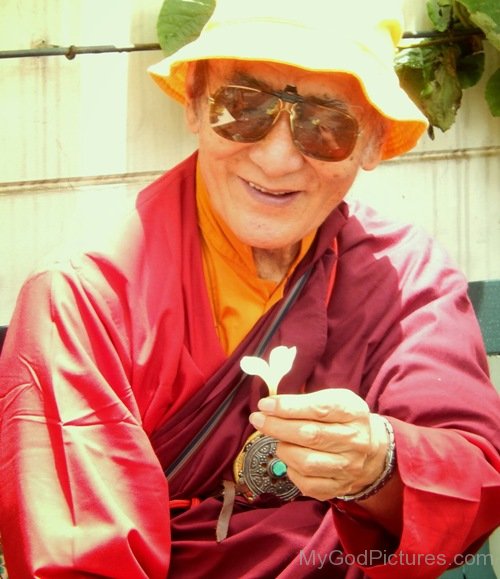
(78, 137)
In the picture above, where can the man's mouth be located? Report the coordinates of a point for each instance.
(268, 191)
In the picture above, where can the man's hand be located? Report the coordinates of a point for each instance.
(329, 440)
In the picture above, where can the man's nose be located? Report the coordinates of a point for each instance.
(277, 153)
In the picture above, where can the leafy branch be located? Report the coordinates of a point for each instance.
(436, 70)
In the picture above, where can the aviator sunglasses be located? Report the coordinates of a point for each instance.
(245, 115)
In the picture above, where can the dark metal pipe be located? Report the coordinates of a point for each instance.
(71, 51)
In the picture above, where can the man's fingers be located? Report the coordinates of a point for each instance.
(313, 463)
(330, 405)
(319, 488)
(327, 437)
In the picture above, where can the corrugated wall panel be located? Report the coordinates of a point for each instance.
(456, 199)
(98, 114)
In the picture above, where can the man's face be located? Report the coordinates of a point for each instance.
(268, 192)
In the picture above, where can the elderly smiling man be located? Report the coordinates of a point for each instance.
(133, 444)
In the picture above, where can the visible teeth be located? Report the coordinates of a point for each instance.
(262, 190)
(258, 188)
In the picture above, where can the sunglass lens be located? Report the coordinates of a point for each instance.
(242, 114)
(323, 132)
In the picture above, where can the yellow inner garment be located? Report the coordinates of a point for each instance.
(237, 295)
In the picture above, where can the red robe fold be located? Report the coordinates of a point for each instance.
(105, 356)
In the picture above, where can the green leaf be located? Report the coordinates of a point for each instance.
(462, 16)
(486, 15)
(428, 74)
(443, 95)
(439, 12)
(409, 58)
(470, 69)
(492, 93)
(181, 21)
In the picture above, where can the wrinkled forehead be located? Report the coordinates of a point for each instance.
(276, 76)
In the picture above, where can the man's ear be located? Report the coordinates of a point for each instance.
(371, 158)
(372, 151)
(192, 106)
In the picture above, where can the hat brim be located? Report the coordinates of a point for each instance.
(380, 84)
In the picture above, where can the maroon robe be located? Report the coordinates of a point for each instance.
(113, 353)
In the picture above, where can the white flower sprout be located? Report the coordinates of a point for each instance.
(280, 363)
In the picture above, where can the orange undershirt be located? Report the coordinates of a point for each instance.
(237, 295)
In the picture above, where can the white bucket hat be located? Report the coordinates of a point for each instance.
(358, 37)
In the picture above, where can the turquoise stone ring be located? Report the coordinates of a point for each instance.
(277, 468)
